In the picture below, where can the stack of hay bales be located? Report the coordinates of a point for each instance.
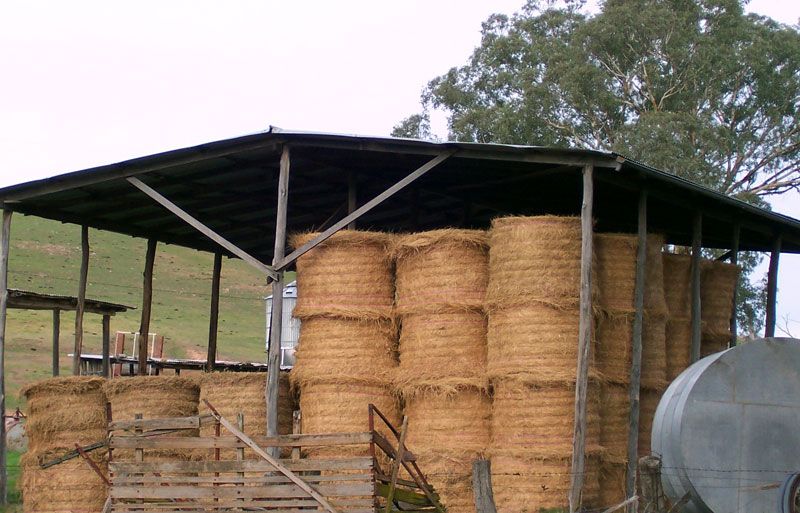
(154, 397)
(346, 355)
(718, 282)
(616, 283)
(61, 413)
(441, 284)
(678, 274)
(232, 393)
(533, 299)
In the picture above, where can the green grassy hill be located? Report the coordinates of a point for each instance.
(45, 257)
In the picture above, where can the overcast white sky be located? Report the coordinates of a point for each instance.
(92, 82)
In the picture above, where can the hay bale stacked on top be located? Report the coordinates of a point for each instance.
(678, 274)
(718, 282)
(441, 284)
(154, 397)
(533, 299)
(61, 413)
(232, 393)
(346, 354)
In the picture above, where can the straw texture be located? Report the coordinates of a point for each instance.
(648, 402)
(538, 421)
(718, 282)
(678, 285)
(679, 346)
(69, 487)
(456, 495)
(441, 270)
(654, 353)
(655, 302)
(615, 412)
(65, 411)
(612, 483)
(532, 485)
(337, 348)
(348, 275)
(614, 343)
(534, 260)
(615, 255)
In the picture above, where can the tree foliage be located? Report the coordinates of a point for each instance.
(694, 87)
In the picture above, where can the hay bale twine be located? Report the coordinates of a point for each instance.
(442, 351)
(154, 397)
(534, 259)
(538, 420)
(648, 402)
(65, 411)
(534, 343)
(718, 282)
(615, 256)
(337, 348)
(613, 346)
(655, 302)
(342, 407)
(441, 270)
(679, 346)
(349, 275)
(678, 284)
(447, 431)
(612, 483)
(531, 485)
(615, 412)
(69, 487)
(654, 353)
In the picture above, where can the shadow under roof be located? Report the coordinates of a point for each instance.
(231, 186)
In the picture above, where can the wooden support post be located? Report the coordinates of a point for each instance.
(352, 197)
(106, 345)
(213, 322)
(147, 303)
(652, 493)
(697, 247)
(772, 289)
(482, 486)
(276, 320)
(636, 351)
(584, 341)
(735, 261)
(4, 246)
(56, 337)
(78, 349)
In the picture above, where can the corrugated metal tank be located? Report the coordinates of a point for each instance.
(290, 327)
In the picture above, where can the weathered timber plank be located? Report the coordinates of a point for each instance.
(230, 442)
(128, 467)
(260, 492)
(235, 479)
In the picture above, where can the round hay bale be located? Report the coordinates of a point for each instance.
(615, 412)
(654, 353)
(154, 397)
(648, 402)
(65, 411)
(537, 420)
(615, 255)
(342, 407)
(714, 343)
(349, 275)
(448, 431)
(442, 351)
(534, 259)
(679, 346)
(535, 485)
(441, 270)
(612, 483)
(614, 343)
(355, 350)
(69, 487)
(535, 343)
(655, 302)
(718, 282)
(678, 284)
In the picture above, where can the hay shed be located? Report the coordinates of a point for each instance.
(232, 198)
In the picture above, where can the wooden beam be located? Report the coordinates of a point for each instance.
(56, 337)
(276, 319)
(213, 321)
(4, 247)
(735, 261)
(697, 248)
(772, 289)
(352, 197)
(636, 352)
(584, 342)
(78, 349)
(205, 230)
(374, 202)
(147, 303)
(106, 345)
